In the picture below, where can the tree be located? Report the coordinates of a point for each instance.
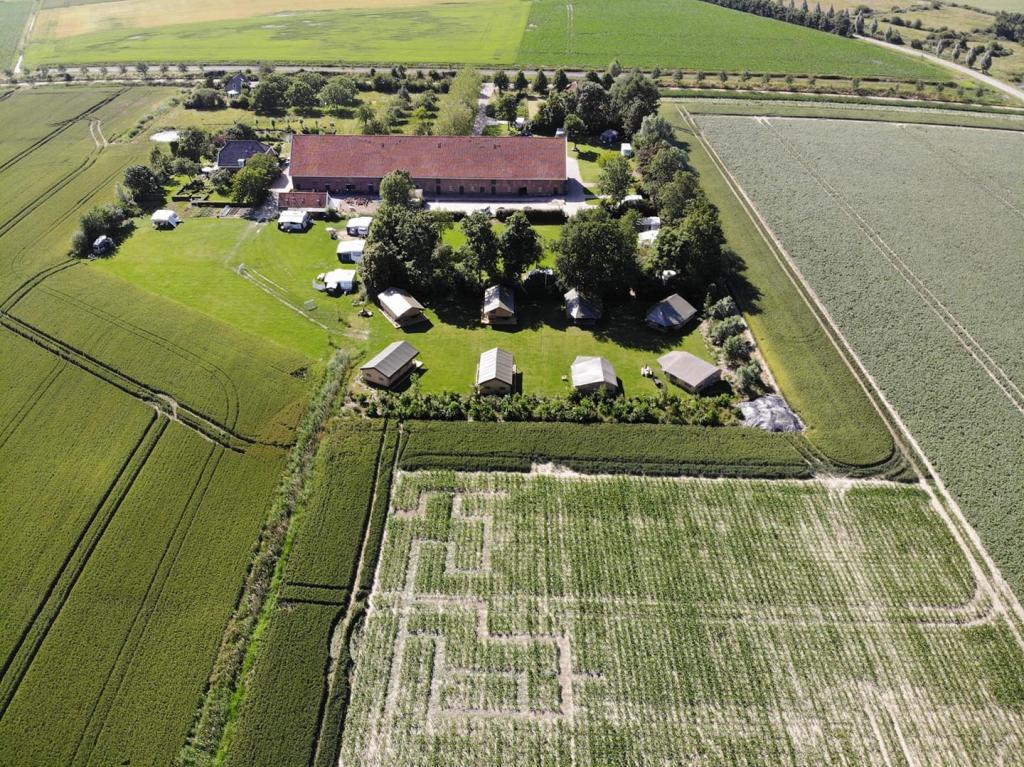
(594, 254)
(972, 56)
(575, 129)
(314, 80)
(396, 188)
(399, 249)
(593, 107)
(692, 247)
(858, 23)
(661, 169)
(615, 68)
(109, 220)
(633, 98)
(986, 62)
(480, 253)
(302, 96)
(561, 80)
(160, 164)
(252, 182)
(521, 83)
(674, 197)
(654, 130)
(501, 81)
(270, 95)
(193, 144)
(540, 83)
(507, 107)
(143, 186)
(338, 93)
(205, 98)
(552, 112)
(519, 246)
(616, 178)
(221, 180)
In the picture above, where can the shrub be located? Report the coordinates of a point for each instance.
(735, 349)
(719, 310)
(724, 329)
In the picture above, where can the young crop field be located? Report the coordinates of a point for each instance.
(647, 33)
(140, 444)
(910, 236)
(550, 619)
(13, 17)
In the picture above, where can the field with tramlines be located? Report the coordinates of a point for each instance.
(911, 237)
(141, 444)
(548, 619)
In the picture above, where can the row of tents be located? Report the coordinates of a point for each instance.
(496, 370)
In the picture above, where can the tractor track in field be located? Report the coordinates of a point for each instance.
(21, 656)
(28, 405)
(113, 684)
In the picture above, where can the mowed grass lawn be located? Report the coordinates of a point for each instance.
(687, 34)
(197, 264)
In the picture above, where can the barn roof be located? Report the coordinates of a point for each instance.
(392, 358)
(486, 158)
(496, 365)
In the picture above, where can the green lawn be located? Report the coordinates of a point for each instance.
(197, 265)
(588, 156)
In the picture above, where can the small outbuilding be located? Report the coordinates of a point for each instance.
(580, 310)
(626, 150)
(294, 221)
(102, 245)
(591, 374)
(338, 281)
(689, 371)
(496, 372)
(311, 202)
(235, 154)
(351, 251)
(671, 313)
(358, 226)
(400, 308)
(165, 219)
(390, 367)
(235, 87)
(499, 306)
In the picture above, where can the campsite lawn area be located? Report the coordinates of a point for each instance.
(198, 265)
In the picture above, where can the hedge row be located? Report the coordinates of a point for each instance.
(595, 448)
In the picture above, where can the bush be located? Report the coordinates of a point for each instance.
(722, 330)
(720, 309)
(748, 378)
(735, 349)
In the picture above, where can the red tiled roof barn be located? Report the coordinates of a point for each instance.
(476, 166)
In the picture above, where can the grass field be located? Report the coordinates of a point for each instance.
(140, 444)
(914, 248)
(738, 622)
(648, 33)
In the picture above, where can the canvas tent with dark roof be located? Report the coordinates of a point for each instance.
(671, 313)
(499, 307)
(391, 365)
(441, 166)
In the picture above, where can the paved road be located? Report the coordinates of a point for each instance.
(992, 82)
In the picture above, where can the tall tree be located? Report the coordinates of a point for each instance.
(540, 83)
(302, 96)
(575, 129)
(252, 183)
(269, 96)
(521, 83)
(396, 188)
(593, 107)
(561, 80)
(692, 247)
(501, 81)
(519, 246)
(616, 178)
(633, 98)
(480, 253)
(595, 254)
(338, 93)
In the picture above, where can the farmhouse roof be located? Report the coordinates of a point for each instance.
(392, 358)
(685, 367)
(424, 157)
(672, 312)
(234, 154)
(593, 371)
(499, 297)
(580, 308)
(496, 365)
(398, 302)
(302, 200)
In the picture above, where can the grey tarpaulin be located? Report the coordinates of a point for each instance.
(770, 413)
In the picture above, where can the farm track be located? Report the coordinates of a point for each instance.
(113, 685)
(969, 541)
(992, 368)
(20, 658)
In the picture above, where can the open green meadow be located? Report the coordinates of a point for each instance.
(910, 236)
(141, 444)
(685, 34)
(533, 619)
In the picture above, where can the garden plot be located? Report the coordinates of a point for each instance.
(910, 236)
(555, 619)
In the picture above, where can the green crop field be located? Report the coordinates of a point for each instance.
(910, 235)
(647, 33)
(532, 619)
(141, 443)
(13, 17)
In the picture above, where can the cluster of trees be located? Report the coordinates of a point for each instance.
(457, 111)
(596, 103)
(405, 248)
(113, 221)
(827, 21)
(1009, 26)
(575, 407)
(725, 331)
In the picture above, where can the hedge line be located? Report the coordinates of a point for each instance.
(594, 448)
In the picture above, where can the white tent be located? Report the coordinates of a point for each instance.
(593, 373)
(351, 251)
(358, 226)
(650, 223)
(294, 220)
(626, 149)
(165, 218)
(338, 280)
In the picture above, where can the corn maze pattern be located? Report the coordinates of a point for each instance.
(530, 619)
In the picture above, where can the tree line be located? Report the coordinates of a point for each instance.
(826, 21)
